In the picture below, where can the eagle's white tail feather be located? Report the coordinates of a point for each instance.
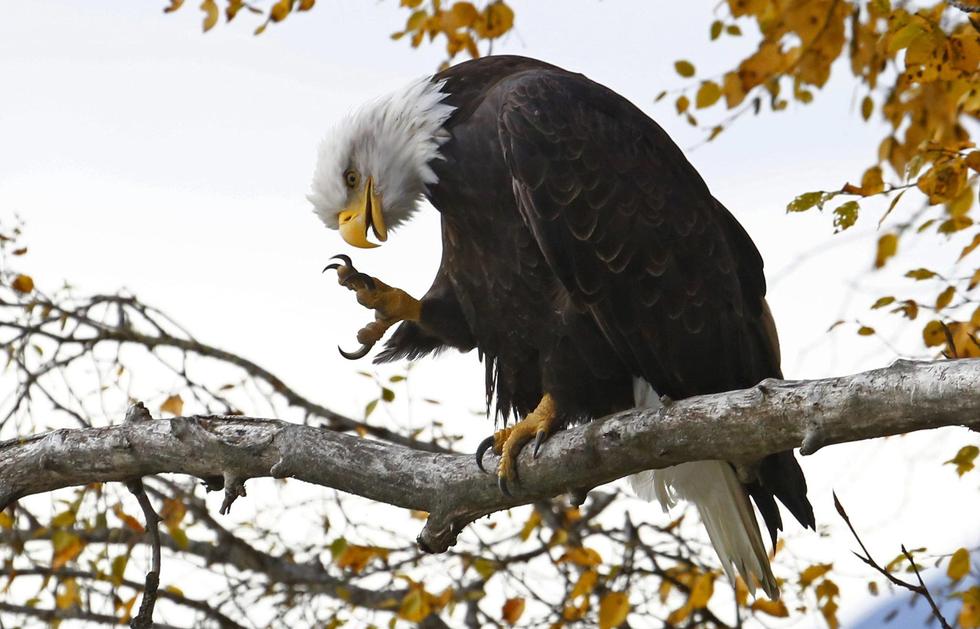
(722, 503)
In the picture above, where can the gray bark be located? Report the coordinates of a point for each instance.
(738, 426)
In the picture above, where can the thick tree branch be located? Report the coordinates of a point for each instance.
(735, 426)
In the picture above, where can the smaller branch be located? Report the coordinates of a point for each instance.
(920, 589)
(144, 619)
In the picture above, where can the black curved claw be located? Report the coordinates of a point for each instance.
(481, 449)
(330, 266)
(357, 275)
(361, 353)
(343, 258)
(502, 484)
(539, 438)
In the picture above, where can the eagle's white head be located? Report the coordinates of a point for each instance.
(374, 167)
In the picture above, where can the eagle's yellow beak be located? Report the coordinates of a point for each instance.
(364, 212)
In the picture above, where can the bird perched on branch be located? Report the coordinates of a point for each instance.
(582, 256)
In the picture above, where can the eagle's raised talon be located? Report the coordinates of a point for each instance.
(343, 257)
(360, 353)
(356, 276)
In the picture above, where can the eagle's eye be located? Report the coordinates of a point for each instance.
(351, 178)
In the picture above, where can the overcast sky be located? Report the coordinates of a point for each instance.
(143, 154)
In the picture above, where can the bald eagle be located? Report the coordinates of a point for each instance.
(582, 256)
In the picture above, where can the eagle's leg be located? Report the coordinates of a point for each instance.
(390, 304)
(509, 442)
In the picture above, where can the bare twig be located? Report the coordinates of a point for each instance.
(920, 589)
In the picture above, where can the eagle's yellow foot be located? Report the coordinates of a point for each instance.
(509, 442)
(390, 305)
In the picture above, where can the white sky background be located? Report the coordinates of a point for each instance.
(143, 154)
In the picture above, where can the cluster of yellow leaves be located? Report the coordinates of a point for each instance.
(826, 591)
(462, 24)
(921, 70)
(279, 11)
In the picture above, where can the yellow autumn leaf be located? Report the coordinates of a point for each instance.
(306, 5)
(865, 331)
(66, 547)
(741, 591)
(887, 247)
(921, 274)
(682, 103)
(357, 557)
(496, 19)
(708, 94)
(684, 68)
(973, 160)
(581, 556)
(959, 565)
(533, 521)
(23, 284)
(174, 5)
(967, 250)
(280, 10)
(118, 570)
(702, 591)
(871, 181)
(814, 572)
(731, 85)
(772, 608)
(964, 459)
(512, 610)
(415, 606)
(131, 522)
(934, 334)
(462, 15)
(969, 616)
(829, 611)
(867, 107)
(68, 595)
(210, 9)
(174, 405)
(613, 609)
(945, 298)
(586, 583)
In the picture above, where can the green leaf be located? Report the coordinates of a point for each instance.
(964, 459)
(805, 201)
(846, 215)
